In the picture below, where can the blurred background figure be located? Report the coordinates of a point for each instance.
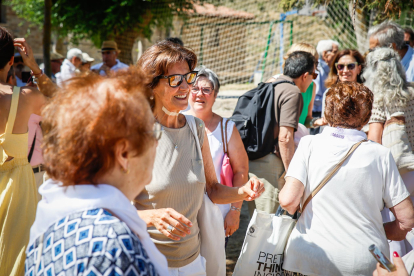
(11, 77)
(56, 60)
(327, 50)
(21, 73)
(409, 36)
(391, 35)
(109, 51)
(86, 65)
(70, 66)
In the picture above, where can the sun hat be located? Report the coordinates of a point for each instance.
(56, 56)
(87, 58)
(109, 45)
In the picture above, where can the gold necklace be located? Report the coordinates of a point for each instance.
(175, 143)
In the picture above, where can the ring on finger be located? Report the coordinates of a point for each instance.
(170, 228)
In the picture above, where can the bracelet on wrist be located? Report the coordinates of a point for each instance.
(235, 209)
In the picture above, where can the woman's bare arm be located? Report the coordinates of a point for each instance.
(404, 220)
(290, 195)
(375, 132)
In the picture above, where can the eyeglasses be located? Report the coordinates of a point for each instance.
(314, 75)
(157, 131)
(350, 66)
(176, 80)
(204, 90)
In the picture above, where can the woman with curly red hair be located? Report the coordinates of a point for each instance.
(99, 149)
(338, 225)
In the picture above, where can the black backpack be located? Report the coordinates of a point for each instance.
(254, 117)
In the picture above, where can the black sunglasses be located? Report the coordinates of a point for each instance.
(176, 80)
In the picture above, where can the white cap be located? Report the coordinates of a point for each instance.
(87, 58)
(75, 52)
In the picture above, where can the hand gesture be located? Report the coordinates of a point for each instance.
(231, 222)
(27, 55)
(252, 189)
(171, 223)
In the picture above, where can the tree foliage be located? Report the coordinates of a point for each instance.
(385, 9)
(102, 19)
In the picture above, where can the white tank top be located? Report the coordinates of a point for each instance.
(216, 149)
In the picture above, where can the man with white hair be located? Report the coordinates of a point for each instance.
(70, 65)
(327, 49)
(390, 34)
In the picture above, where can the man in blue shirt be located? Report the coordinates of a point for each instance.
(390, 34)
(327, 50)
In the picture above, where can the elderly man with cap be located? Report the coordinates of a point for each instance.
(86, 65)
(110, 62)
(70, 65)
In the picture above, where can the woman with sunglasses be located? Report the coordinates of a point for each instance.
(183, 168)
(223, 138)
(347, 66)
(100, 159)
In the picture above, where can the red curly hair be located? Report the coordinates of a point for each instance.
(348, 105)
(85, 120)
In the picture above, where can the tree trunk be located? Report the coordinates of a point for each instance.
(125, 43)
(47, 33)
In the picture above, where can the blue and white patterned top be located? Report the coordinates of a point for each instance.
(89, 243)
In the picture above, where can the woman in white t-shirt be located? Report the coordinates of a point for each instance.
(334, 232)
(202, 97)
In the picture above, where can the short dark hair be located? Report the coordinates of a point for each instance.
(410, 32)
(6, 47)
(175, 40)
(298, 63)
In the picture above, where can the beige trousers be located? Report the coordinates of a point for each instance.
(269, 170)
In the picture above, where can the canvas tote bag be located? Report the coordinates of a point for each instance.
(211, 225)
(267, 235)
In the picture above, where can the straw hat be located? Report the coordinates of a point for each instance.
(109, 45)
(56, 56)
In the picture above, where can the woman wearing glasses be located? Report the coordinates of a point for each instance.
(182, 172)
(222, 137)
(100, 159)
(347, 66)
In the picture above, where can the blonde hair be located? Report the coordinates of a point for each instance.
(301, 47)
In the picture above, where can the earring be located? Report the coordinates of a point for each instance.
(126, 171)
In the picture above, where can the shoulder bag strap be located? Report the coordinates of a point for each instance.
(29, 157)
(227, 141)
(329, 176)
(222, 136)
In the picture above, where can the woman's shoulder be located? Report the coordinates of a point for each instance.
(88, 235)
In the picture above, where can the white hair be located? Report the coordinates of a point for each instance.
(211, 76)
(325, 45)
(385, 76)
(388, 33)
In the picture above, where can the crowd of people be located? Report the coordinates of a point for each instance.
(110, 169)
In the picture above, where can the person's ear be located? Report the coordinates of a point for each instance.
(359, 69)
(324, 55)
(122, 153)
(11, 61)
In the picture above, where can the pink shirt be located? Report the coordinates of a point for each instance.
(34, 127)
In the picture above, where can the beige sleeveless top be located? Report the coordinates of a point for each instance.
(178, 182)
